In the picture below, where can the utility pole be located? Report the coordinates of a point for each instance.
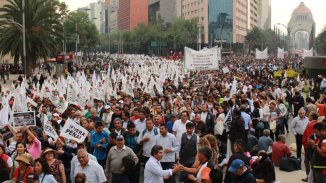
(77, 40)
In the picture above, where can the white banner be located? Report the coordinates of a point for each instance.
(280, 53)
(72, 131)
(49, 130)
(202, 60)
(261, 54)
(308, 53)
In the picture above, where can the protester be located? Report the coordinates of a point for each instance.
(153, 169)
(56, 166)
(115, 168)
(189, 140)
(42, 169)
(4, 172)
(100, 141)
(263, 168)
(318, 161)
(298, 127)
(241, 172)
(279, 150)
(23, 169)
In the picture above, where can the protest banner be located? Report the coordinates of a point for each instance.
(280, 53)
(21, 119)
(308, 53)
(49, 130)
(202, 60)
(261, 54)
(72, 131)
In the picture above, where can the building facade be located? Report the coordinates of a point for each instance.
(94, 13)
(265, 14)
(131, 13)
(253, 12)
(191, 9)
(167, 10)
(301, 28)
(113, 16)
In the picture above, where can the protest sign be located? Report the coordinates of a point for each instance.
(72, 131)
(280, 53)
(225, 70)
(6, 133)
(24, 118)
(261, 54)
(49, 130)
(202, 60)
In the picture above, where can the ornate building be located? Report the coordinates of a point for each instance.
(301, 28)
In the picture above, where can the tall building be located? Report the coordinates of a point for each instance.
(168, 10)
(104, 17)
(253, 10)
(229, 21)
(197, 9)
(265, 14)
(94, 13)
(131, 13)
(113, 16)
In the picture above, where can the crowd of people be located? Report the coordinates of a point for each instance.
(147, 119)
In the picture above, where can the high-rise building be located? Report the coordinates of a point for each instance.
(253, 10)
(197, 9)
(104, 17)
(113, 16)
(168, 10)
(131, 13)
(265, 14)
(228, 20)
(94, 13)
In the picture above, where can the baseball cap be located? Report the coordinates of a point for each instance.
(235, 165)
(120, 137)
(55, 114)
(107, 107)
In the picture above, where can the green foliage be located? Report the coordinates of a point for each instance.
(258, 38)
(43, 29)
(153, 38)
(86, 30)
(321, 43)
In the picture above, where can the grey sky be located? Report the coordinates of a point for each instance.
(281, 10)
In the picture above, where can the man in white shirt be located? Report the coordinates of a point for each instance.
(179, 126)
(298, 127)
(170, 147)
(93, 171)
(141, 121)
(146, 138)
(153, 172)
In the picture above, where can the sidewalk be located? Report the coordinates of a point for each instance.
(289, 177)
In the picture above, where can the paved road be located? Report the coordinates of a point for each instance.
(281, 176)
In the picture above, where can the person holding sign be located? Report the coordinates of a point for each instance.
(33, 144)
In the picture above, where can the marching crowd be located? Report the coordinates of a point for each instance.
(147, 120)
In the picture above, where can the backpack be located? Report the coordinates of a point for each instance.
(145, 130)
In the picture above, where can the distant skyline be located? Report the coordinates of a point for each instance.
(281, 10)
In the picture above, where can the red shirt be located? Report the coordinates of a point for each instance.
(279, 150)
(28, 170)
(308, 133)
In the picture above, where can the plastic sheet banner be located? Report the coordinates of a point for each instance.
(207, 59)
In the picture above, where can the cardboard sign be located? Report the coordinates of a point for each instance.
(50, 131)
(21, 119)
(72, 131)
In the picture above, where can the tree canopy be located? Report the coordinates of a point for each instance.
(321, 43)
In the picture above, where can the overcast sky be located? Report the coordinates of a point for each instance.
(281, 10)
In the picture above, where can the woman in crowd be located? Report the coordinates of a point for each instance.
(56, 165)
(23, 169)
(20, 149)
(42, 169)
(219, 121)
(4, 173)
(215, 152)
(5, 157)
(263, 168)
(34, 146)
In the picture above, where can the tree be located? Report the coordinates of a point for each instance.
(321, 43)
(87, 33)
(255, 38)
(43, 27)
